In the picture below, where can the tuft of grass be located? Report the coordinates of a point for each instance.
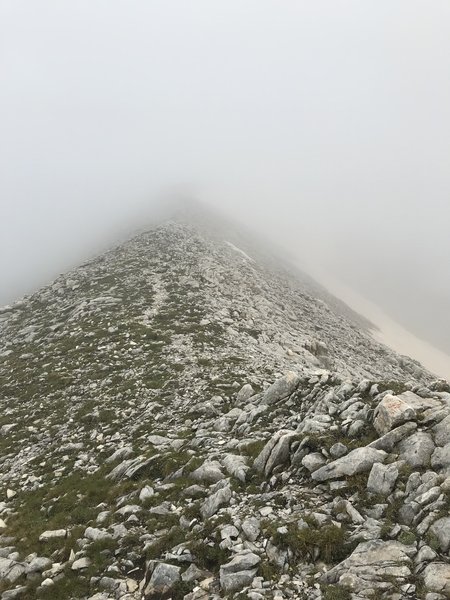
(166, 542)
(328, 540)
(336, 592)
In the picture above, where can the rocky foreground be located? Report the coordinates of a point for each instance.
(179, 421)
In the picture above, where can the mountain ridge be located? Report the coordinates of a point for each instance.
(182, 418)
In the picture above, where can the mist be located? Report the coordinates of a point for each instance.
(323, 125)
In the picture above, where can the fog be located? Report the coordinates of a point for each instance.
(324, 125)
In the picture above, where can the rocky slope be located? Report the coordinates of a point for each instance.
(180, 419)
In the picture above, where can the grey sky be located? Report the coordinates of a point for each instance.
(325, 124)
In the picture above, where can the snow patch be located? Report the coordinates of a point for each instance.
(244, 254)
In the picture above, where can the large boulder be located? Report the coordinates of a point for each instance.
(382, 479)
(357, 461)
(281, 389)
(392, 411)
(239, 572)
(417, 449)
(209, 471)
(10, 570)
(132, 468)
(212, 504)
(436, 577)
(245, 393)
(441, 531)
(275, 452)
(373, 564)
(236, 465)
(53, 534)
(442, 432)
(441, 458)
(162, 579)
(390, 439)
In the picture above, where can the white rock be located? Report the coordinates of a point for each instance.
(392, 411)
(81, 563)
(53, 534)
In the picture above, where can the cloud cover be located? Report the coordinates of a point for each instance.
(324, 124)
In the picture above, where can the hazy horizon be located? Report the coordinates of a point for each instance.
(324, 126)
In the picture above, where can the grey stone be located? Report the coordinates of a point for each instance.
(441, 530)
(130, 469)
(313, 461)
(53, 534)
(392, 411)
(209, 471)
(390, 439)
(441, 458)
(251, 529)
(373, 563)
(212, 504)
(11, 570)
(120, 454)
(146, 493)
(81, 563)
(236, 466)
(417, 449)
(382, 479)
(245, 393)
(436, 577)
(17, 592)
(193, 573)
(442, 432)
(163, 578)
(357, 461)
(281, 389)
(39, 564)
(275, 452)
(338, 450)
(95, 535)
(239, 572)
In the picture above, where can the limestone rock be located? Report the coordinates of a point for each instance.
(11, 570)
(382, 479)
(209, 471)
(392, 411)
(436, 577)
(81, 563)
(371, 564)
(239, 572)
(245, 393)
(417, 449)
(441, 530)
(163, 578)
(441, 458)
(275, 452)
(357, 461)
(313, 461)
(281, 389)
(215, 501)
(52, 534)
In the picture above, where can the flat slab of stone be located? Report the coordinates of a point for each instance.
(281, 389)
(372, 564)
(436, 577)
(356, 461)
(239, 572)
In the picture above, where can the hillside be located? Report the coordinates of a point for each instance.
(184, 417)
